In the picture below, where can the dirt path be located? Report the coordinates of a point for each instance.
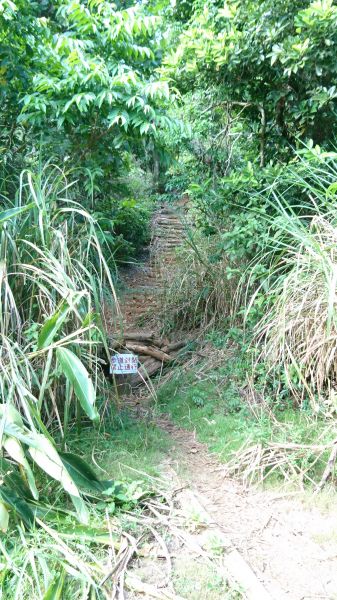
(290, 546)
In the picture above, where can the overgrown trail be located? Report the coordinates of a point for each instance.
(141, 330)
(277, 546)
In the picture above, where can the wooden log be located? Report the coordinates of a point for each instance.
(151, 369)
(150, 350)
(143, 358)
(167, 225)
(139, 336)
(175, 346)
(171, 236)
(151, 362)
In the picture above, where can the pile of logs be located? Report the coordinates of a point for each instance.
(153, 352)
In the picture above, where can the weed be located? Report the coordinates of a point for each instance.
(201, 289)
(124, 450)
(202, 582)
(218, 407)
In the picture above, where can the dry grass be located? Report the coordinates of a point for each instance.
(299, 330)
(197, 289)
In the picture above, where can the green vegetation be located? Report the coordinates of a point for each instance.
(230, 416)
(129, 449)
(61, 550)
(192, 585)
(107, 108)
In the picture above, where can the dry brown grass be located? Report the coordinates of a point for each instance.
(197, 289)
(299, 331)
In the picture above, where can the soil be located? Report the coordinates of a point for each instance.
(288, 541)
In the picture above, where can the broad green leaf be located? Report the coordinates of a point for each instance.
(54, 591)
(52, 325)
(83, 475)
(15, 451)
(79, 378)
(19, 505)
(48, 459)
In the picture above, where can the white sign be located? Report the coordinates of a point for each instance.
(124, 363)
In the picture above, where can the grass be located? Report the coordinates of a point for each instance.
(298, 326)
(53, 281)
(125, 450)
(202, 581)
(216, 404)
(202, 407)
(198, 291)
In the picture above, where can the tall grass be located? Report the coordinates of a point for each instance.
(299, 327)
(53, 278)
(198, 289)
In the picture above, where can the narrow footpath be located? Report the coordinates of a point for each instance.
(275, 546)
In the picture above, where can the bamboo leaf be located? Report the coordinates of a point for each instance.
(48, 459)
(10, 213)
(15, 451)
(19, 505)
(83, 475)
(79, 378)
(52, 325)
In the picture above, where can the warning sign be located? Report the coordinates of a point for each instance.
(121, 364)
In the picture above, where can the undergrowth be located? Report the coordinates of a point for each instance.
(61, 556)
(231, 408)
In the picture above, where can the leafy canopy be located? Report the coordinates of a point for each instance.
(273, 59)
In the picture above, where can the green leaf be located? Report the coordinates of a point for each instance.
(83, 475)
(19, 505)
(13, 479)
(52, 325)
(76, 373)
(15, 451)
(54, 591)
(48, 459)
(10, 213)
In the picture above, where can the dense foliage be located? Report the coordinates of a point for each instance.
(257, 83)
(103, 106)
(83, 109)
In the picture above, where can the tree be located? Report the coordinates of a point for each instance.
(271, 60)
(83, 74)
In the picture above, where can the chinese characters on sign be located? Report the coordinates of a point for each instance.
(124, 363)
